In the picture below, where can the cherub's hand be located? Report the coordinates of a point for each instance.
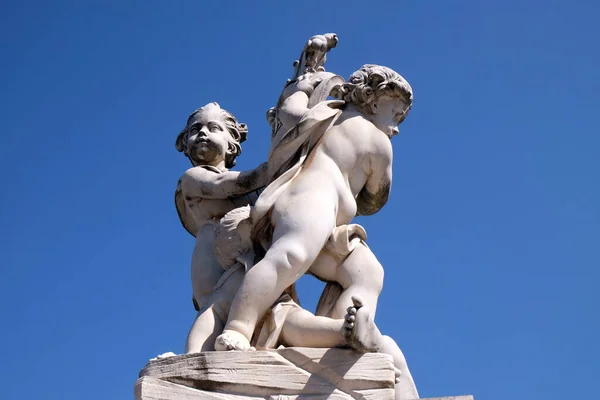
(305, 83)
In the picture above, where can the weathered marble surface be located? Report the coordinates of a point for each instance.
(150, 388)
(284, 374)
(289, 373)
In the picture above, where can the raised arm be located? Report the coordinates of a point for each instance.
(376, 191)
(201, 182)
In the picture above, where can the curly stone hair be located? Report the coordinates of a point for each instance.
(371, 82)
(238, 133)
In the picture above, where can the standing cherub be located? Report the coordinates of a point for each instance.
(342, 168)
(205, 193)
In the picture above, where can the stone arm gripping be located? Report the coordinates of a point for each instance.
(204, 183)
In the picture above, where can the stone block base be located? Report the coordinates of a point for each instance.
(284, 374)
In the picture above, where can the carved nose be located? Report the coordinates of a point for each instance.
(200, 136)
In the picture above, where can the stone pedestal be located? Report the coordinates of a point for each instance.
(285, 374)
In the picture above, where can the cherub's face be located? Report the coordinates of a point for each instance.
(208, 138)
(389, 114)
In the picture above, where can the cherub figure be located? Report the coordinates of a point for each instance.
(300, 117)
(205, 193)
(335, 163)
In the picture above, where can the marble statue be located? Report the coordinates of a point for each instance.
(258, 231)
(337, 166)
(224, 252)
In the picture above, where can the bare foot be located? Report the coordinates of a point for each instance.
(232, 340)
(360, 330)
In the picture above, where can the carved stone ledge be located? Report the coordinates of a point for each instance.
(285, 374)
(277, 374)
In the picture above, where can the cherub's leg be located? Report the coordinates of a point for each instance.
(361, 275)
(405, 385)
(211, 319)
(362, 334)
(301, 229)
(204, 331)
(304, 329)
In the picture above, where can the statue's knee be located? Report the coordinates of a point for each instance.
(391, 347)
(377, 278)
(293, 262)
(373, 279)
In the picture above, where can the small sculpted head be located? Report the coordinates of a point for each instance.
(379, 92)
(212, 136)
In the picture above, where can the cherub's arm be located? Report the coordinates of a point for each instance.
(293, 103)
(376, 191)
(200, 182)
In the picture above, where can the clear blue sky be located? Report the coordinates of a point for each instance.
(490, 240)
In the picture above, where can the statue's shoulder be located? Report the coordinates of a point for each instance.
(200, 173)
(181, 202)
